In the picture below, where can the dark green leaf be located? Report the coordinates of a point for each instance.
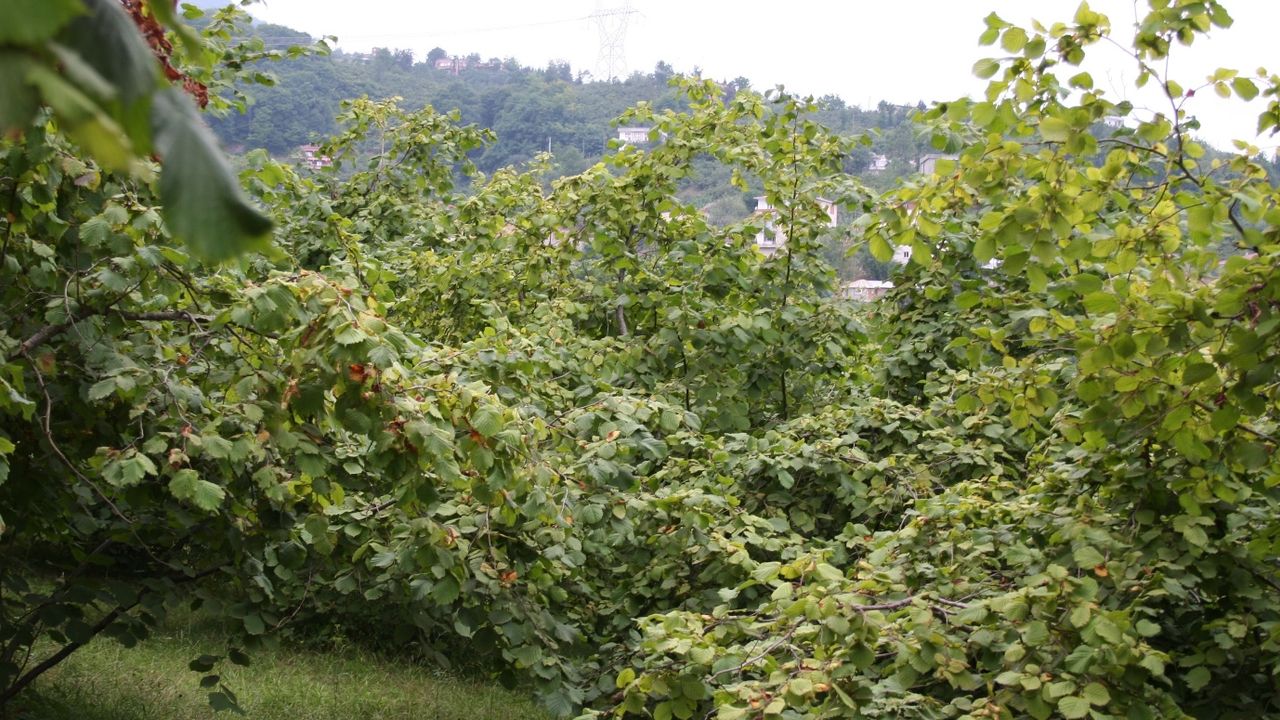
(187, 485)
(203, 203)
(18, 99)
(31, 22)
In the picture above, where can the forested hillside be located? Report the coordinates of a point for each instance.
(532, 110)
(593, 443)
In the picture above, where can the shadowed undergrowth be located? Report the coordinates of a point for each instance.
(106, 681)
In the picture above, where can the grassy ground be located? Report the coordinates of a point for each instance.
(105, 681)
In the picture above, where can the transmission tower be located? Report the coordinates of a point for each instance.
(612, 24)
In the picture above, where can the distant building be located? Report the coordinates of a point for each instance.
(634, 135)
(311, 157)
(865, 290)
(879, 163)
(772, 238)
(902, 255)
(451, 64)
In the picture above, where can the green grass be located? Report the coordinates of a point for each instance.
(105, 681)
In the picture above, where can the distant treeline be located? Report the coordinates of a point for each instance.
(531, 109)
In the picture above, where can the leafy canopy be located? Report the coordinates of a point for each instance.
(604, 447)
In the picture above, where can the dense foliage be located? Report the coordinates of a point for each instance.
(598, 444)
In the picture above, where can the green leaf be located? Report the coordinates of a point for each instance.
(221, 701)
(446, 591)
(1083, 80)
(1252, 455)
(487, 421)
(968, 299)
(1080, 616)
(880, 248)
(101, 389)
(1199, 220)
(1124, 346)
(1153, 665)
(134, 469)
(85, 121)
(983, 113)
(1198, 678)
(1009, 677)
(1146, 628)
(1055, 129)
(349, 335)
(1073, 707)
(1195, 535)
(188, 486)
(1198, 372)
(253, 624)
(1088, 557)
(626, 677)
(766, 571)
(204, 663)
(985, 68)
(1101, 303)
(1096, 694)
(984, 248)
(1036, 634)
(18, 98)
(1245, 88)
(829, 573)
(1013, 39)
(204, 205)
(31, 22)
(108, 41)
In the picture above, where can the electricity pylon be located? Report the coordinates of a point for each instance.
(612, 24)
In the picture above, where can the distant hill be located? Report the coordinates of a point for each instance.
(530, 109)
(534, 110)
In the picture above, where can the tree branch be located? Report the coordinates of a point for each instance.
(63, 653)
(49, 332)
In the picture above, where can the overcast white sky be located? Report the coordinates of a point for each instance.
(863, 50)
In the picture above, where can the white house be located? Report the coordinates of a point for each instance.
(902, 255)
(451, 64)
(865, 290)
(770, 239)
(633, 135)
(879, 163)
